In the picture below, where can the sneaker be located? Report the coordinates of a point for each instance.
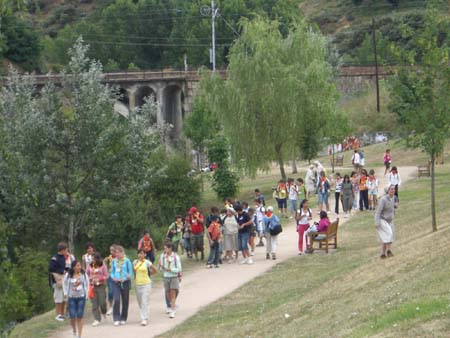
(109, 313)
(144, 323)
(389, 253)
(172, 314)
(59, 318)
(216, 266)
(252, 254)
(300, 253)
(243, 261)
(267, 256)
(95, 323)
(168, 310)
(274, 256)
(260, 244)
(383, 257)
(346, 215)
(122, 322)
(209, 266)
(116, 323)
(250, 261)
(230, 261)
(74, 333)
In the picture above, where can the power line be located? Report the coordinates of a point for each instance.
(131, 36)
(120, 43)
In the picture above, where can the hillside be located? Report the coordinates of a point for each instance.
(154, 34)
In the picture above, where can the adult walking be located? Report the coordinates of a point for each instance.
(355, 182)
(323, 189)
(384, 221)
(293, 192)
(98, 275)
(395, 180)
(143, 269)
(230, 234)
(174, 233)
(347, 196)
(57, 270)
(170, 264)
(75, 288)
(121, 274)
(108, 263)
(196, 220)
(337, 193)
(303, 216)
(310, 181)
(270, 220)
(363, 191)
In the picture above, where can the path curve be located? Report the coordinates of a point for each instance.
(201, 286)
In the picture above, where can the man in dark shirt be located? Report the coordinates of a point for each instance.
(56, 268)
(245, 222)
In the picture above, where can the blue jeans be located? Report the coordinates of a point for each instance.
(214, 254)
(243, 238)
(110, 289)
(76, 307)
(292, 205)
(323, 197)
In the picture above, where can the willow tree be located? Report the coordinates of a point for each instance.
(273, 86)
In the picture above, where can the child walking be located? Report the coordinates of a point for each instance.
(372, 186)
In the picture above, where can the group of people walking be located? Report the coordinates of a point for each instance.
(236, 228)
(109, 280)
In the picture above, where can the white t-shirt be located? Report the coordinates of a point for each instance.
(293, 191)
(356, 158)
(304, 216)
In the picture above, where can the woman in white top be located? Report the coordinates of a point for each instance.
(230, 234)
(395, 180)
(303, 216)
(310, 181)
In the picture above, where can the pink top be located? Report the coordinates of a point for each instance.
(387, 157)
(100, 273)
(323, 225)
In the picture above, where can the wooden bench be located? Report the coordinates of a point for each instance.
(338, 161)
(325, 238)
(424, 170)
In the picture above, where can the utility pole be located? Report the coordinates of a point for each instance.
(213, 24)
(374, 41)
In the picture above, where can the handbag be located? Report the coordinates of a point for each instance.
(91, 294)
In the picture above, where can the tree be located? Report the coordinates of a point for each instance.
(69, 149)
(225, 182)
(274, 88)
(421, 94)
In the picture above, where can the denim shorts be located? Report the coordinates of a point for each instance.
(282, 203)
(76, 307)
(243, 241)
(323, 197)
(292, 205)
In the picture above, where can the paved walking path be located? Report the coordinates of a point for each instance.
(201, 287)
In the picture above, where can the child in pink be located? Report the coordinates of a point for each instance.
(322, 226)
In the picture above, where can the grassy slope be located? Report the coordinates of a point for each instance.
(350, 293)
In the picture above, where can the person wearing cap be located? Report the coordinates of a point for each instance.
(271, 241)
(230, 234)
(196, 220)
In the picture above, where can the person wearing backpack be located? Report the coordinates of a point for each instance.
(170, 264)
(75, 288)
(57, 270)
(143, 269)
(271, 221)
(303, 216)
(174, 233)
(214, 235)
(230, 234)
(121, 274)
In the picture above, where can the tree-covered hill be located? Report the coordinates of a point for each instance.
(128, 34)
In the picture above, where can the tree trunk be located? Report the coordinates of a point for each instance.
(433, 194)
(279, 156)
(332, 160)
(294, 166)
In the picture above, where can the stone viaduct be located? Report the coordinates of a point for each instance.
(174, 90)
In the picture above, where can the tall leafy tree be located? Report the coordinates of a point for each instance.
(69, 149)
(277, 89)
(421, 94)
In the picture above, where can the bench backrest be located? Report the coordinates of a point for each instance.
(333, 227)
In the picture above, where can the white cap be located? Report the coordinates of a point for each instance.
(269, 209)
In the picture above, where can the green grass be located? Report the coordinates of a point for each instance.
(351, 292)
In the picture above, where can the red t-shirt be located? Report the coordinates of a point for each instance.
(197, 224)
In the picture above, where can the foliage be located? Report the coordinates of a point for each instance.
(19, 42)
(421, 94)
(225, 182)
(276, 88)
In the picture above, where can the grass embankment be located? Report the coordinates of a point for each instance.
(350, 292)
